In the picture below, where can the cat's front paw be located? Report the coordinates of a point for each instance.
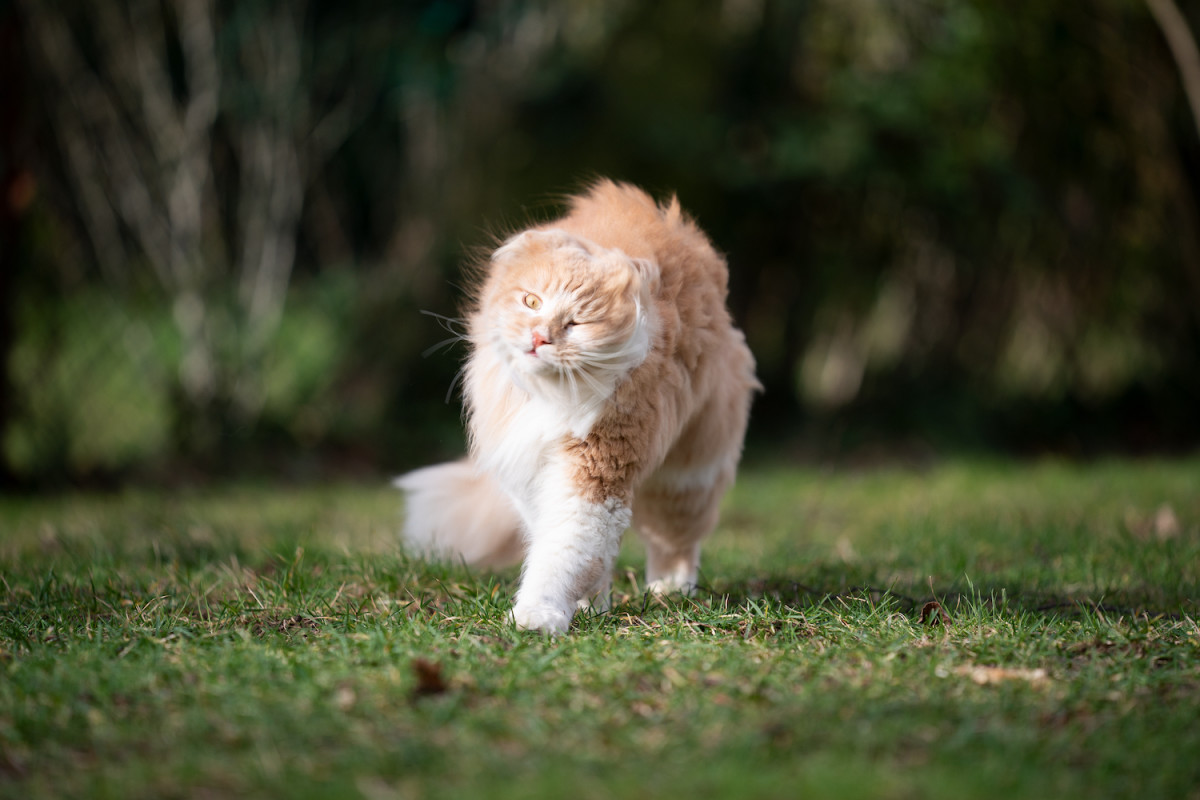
(546, 619)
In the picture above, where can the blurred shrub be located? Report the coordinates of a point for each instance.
(95, 380)
(956, 220)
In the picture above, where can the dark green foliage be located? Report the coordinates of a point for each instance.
(953, 222)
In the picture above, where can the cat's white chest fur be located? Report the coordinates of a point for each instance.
(531, 438)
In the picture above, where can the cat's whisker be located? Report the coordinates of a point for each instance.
(457, 328)
(458, 376)
(621, 356)
(597, 387)
(574, 377)
(444, 343)
(572, 385)
(602, 355)
(618, 368)
(560, 371)
(455, 325)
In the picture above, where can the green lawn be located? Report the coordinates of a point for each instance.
(275, 643)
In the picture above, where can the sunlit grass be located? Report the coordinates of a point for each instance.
(274, 643)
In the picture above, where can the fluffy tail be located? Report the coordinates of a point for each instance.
(456, 512)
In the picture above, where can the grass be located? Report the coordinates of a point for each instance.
(275, 643)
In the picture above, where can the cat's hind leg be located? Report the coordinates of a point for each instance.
(672, 512)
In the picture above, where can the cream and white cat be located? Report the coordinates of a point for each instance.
(606, 387)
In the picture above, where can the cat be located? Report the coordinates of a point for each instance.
(606, 387)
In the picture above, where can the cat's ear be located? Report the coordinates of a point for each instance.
(530, 243)
(647, 274)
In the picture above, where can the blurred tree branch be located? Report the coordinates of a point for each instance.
(145, 97)
(1179, 38)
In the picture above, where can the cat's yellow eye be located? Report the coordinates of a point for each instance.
(533, 301)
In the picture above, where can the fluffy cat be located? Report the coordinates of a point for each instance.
(606, 387)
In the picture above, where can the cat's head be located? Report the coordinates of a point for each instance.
(561, 307)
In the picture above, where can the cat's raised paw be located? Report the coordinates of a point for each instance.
(546, 619)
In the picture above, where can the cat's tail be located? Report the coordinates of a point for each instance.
(457, 512)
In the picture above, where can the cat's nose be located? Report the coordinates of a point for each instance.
(539, 340)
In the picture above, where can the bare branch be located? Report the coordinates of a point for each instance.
(1183, 49)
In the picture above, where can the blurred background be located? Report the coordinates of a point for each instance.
(952, 225)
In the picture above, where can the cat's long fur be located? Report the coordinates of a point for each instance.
(621, 398)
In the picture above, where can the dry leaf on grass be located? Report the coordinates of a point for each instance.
(1166, 524)
(993, 675)
(1163, 525)
(933, 613)
(344, 697)
(429, 678)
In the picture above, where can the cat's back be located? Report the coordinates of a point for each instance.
(623, 216)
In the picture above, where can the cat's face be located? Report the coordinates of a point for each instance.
(560, 307)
